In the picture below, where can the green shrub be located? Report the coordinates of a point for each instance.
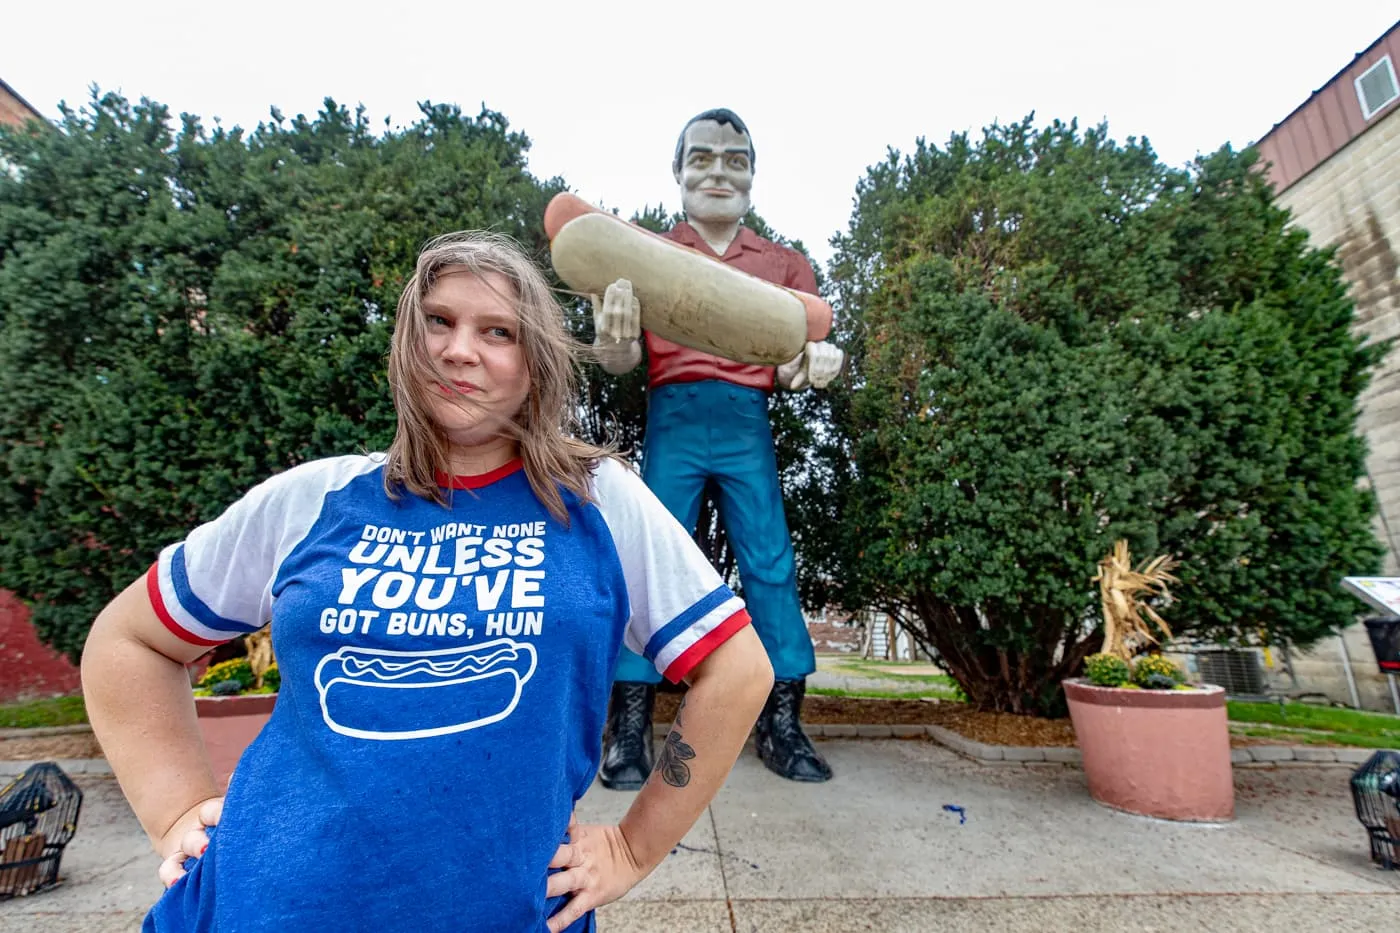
(268, 261)
(272, 679)
(1045, 321)
(236, 669)
(1155, 672)
(1106, 670)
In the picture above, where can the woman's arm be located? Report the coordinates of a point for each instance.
(139, 701)
(727, 691)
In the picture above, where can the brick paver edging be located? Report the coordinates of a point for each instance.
(1251, 755)
(13, 769)
(1255, 755)
(44, 731)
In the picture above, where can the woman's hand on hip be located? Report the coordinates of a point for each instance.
(188, 838)
(597, 868)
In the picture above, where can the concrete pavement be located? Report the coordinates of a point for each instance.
(875, 850)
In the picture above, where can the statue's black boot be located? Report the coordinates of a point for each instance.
(627, 742)
(782, 745)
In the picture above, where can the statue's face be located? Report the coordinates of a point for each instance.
(716, 173)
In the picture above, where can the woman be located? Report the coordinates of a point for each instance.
(445, 619)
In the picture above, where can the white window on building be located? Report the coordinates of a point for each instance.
(1376, 87)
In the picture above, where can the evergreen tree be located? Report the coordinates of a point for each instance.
(1062, 342)
(184, 313)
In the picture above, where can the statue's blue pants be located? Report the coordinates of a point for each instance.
(713, 431)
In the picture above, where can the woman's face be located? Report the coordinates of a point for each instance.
(473, 335)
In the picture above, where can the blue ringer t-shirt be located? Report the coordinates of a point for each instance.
(445, 679)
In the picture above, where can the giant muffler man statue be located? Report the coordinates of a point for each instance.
(707, 421)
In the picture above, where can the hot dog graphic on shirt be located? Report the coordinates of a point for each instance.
(372, 693)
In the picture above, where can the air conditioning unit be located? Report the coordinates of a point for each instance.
(1239, 670)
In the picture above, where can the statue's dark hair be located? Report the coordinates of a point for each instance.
(721, 116)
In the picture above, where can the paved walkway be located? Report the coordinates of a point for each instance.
(874, 850)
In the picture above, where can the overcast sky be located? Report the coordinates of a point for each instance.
(602, 88)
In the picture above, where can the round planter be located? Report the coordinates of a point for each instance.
(228, 724)
(1159, 753)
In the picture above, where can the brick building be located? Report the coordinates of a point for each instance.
(13, 108)
(1335, 163)
(28, 668)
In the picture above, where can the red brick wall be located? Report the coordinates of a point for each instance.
(28, 667)
(12, 110)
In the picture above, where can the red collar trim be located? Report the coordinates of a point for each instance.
(480, 479)
(749, 240)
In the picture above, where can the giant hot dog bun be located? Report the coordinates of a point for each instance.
(686, 296)
(372, 693)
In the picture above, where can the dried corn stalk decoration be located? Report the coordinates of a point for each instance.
(1124, 592)
(259, 645)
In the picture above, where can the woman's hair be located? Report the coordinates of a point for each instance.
(546, 423)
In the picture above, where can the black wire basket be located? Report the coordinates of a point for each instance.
(38, 817)
(1375, 788)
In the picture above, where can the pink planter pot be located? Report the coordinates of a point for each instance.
(228, 724)
(1161, 753)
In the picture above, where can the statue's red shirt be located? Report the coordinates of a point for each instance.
(669, 362)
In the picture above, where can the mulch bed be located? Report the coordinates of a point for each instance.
(988, 728)
(991, 728)
(49, 747)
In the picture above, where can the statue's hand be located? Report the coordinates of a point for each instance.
(618, 317)
(816, 366)
(823, 363)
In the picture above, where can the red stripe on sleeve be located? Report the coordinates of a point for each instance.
(701, 649)
(158, 604)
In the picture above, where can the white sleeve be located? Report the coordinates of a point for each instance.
(216, 585)
(681, 609)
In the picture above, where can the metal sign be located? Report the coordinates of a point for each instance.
(1382, 593)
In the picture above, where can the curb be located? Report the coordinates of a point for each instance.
(1299, 754)
(968, 748)
(44, 731)
(96, 766)
(1247, 756)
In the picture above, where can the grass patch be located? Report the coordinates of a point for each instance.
(891, 670)
(876, 694)
(1288, 737)
(1321, 718)
(59, 711)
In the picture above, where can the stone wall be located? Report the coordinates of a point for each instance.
(1352, 202)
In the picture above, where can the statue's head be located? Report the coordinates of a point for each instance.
(714, 167)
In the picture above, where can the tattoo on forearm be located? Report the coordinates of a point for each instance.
(674, 755)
